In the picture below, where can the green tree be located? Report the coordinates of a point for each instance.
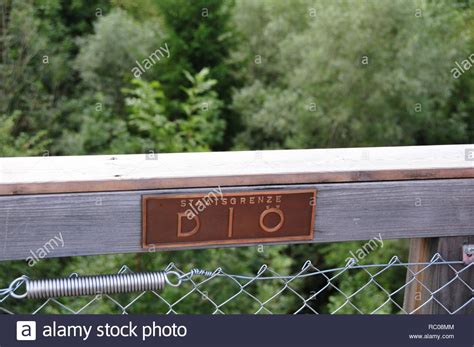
(149, 125)
(22, 71)
(37, 47)
(351, 73)
(108, 55)
(152, 124)
(22, 144)
(201, 35)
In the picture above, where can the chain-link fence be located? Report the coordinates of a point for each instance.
(353, 288)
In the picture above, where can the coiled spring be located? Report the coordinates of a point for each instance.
(90, 285)
(98, 284)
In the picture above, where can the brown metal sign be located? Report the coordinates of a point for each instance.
(217, 218)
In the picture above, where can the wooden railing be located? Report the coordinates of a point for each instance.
(94, 203)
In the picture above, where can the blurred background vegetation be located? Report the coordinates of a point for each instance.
(243, 74)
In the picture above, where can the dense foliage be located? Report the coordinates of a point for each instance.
(244, 74)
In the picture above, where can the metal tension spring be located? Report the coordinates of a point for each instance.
(93, 285)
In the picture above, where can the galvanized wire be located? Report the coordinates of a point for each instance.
(195, 283)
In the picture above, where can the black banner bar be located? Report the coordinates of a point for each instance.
(236, 330)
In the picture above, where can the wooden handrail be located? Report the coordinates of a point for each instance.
(38, 175)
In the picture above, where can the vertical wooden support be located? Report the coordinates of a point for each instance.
(418, 299)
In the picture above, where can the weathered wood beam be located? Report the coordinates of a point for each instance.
(95, 202)
(110, 222)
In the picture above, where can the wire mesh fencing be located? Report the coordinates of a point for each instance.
(353, 288)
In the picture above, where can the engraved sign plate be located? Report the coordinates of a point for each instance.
(217, 218)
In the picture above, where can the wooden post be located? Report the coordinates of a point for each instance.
(418, 299)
